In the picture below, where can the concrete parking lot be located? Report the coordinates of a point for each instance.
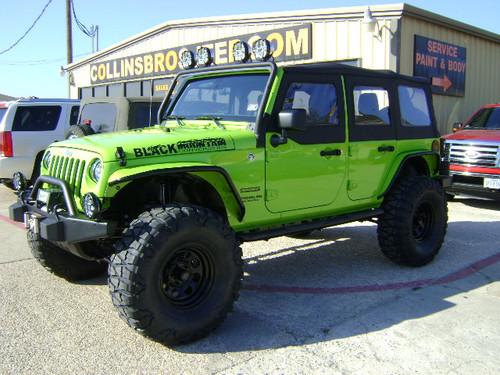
(327, 304)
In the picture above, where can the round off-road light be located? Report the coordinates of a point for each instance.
(204, 56)
(187, 60)
(241, 52)
(262, 49)
(19, 182)
(95, 170)
(91, 205)
(46, 160)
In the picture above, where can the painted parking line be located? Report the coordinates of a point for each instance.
(8, 220)
(454, 276)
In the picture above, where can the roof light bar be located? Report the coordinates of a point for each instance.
(187, 60)
(204, 56)
(262, 49)
(241, 52)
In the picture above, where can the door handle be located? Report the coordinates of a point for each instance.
(332, 152)
(386, 148)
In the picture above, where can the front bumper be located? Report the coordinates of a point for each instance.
(473, 184)
(60, 225)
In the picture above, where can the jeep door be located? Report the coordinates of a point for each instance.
(372, 135)
(309, 169)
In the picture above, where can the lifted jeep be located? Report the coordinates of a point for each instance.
(241, 153)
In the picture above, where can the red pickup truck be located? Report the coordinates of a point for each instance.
(473, 153)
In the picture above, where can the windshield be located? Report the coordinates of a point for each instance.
(486, 118)
(232, 97)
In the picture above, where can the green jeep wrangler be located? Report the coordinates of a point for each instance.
(242, 152)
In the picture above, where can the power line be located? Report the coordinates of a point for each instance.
(80, 25)
(37, 62)
(26, 33)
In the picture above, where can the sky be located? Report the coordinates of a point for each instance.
(31, 67)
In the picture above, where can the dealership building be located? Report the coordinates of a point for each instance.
(461, 61)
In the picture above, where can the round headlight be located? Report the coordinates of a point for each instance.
(19, 182)
(241, 52)
(204, 56)
(262, 49)
(91, 205)
(95, 170)
(187, 60)
(46, 160)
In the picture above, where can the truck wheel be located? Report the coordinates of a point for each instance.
(413, 225)
(62, 263)
(176, 273)
(77, 131)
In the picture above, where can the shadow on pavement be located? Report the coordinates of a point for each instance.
(304, 298)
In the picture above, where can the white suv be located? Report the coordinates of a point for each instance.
(27, 127)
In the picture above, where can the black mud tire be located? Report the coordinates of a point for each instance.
(77, 131)
(176, 274)
(412, 228)
(62, 263)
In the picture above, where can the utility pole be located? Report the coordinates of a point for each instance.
(69, 34)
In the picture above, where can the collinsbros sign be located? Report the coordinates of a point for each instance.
(293, 43)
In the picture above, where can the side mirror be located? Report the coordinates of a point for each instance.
(289, 119)
(456, 126)
(293, 119)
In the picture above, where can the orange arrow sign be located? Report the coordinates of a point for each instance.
(444, 82)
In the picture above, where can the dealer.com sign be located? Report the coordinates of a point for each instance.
(289, 44)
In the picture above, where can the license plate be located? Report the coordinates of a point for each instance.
(43, 196)
(492, 183)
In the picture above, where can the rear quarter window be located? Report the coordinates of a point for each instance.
(73, 116)
(413, 106)
(102, 116)
(36, 118)
(2, 113)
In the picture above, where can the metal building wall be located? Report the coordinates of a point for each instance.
(337, 35)
(482, 84)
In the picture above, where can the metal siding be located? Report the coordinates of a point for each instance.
(482, 85)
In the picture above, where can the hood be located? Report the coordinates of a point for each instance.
(159, 141)
(475, 134)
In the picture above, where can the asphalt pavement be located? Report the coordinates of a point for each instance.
(330, 303)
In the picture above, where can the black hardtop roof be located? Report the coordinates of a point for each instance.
(345, 69)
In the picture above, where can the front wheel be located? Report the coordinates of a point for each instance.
(412, 228)
(176, 274)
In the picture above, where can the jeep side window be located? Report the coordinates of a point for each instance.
(371, 106)
(36, 118)
(318, 99)
(413, 106)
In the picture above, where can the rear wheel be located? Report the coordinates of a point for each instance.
(61, 262)
(411, 231)
(176, 274)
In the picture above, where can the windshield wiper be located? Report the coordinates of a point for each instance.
(214, 119)
(176, 118)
